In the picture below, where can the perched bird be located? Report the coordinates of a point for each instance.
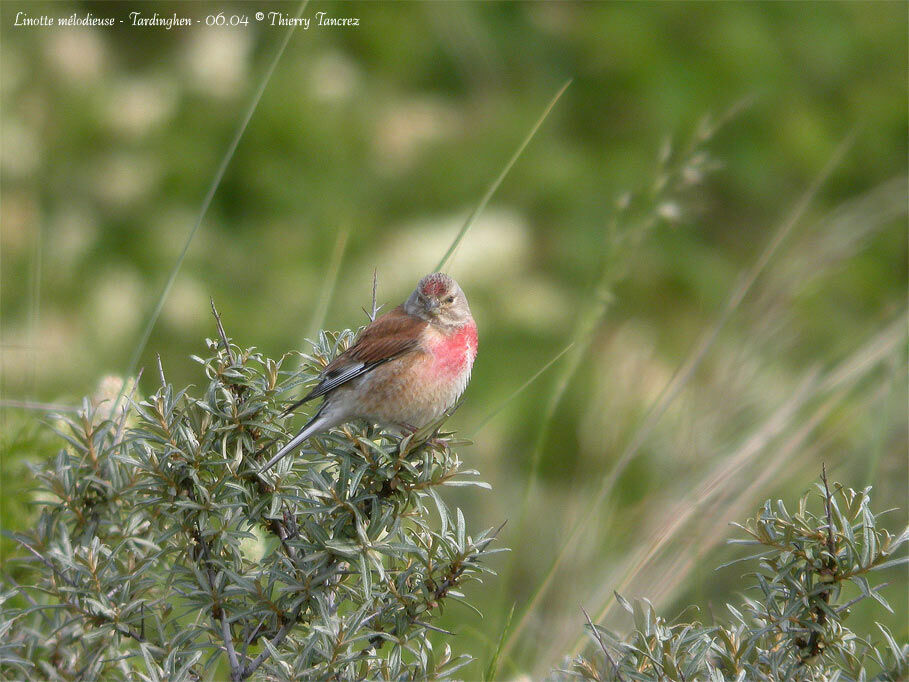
(405, 368)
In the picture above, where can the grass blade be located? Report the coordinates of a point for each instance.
(519, 390)
(206, 202)
(331, 281)
(493, 666)
(40, 407)
(679, 380)
(34, 302)
(887, 399)
(746, 281)
(498, 181)
(835, 386)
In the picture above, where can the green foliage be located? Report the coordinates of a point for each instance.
(793, 628)
(20, 437)
(389, 134)
(161, 552)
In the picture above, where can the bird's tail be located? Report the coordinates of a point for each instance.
(314, 425)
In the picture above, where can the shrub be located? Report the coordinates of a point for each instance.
(161, 552)
(791, 626)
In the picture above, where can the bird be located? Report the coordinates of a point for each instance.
(405, 369)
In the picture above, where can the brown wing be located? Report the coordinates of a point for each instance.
(388, 337)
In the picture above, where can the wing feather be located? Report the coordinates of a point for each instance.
(388, 337)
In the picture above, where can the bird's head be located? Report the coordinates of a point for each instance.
(439, 300)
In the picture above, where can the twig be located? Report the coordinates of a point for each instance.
(161, 370)
(252, 635)
(602, 644)
(284, 535)
(831, 545)
(221, 333)
(229, 643)
(375, 286)
(46, 562)
(235, 669)
(275, 642)
(815, 646)
(119, 627)
(132, 394)
(8, 578)
(852, 602)
(218, 612)
(433, 627)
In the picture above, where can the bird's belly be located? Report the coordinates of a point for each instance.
(413, 390)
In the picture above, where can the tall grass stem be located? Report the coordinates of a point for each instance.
(449, 254)
(209, 196)
(679, 380)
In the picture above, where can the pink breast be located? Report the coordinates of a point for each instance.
(455, 353)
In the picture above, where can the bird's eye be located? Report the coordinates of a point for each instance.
(450, 299)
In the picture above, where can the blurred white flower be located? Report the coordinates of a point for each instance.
(20, 151)
(106, 394)
(19, 216)
(14, 72)
(534, 302)
(333, 76)
(78, 54)
(122, 178)
(116, 305)
(406, 126)
(44, 353)
(187, 307)
(670, 211)
(70, 233)
(137, 105)
(692, 175)
(497, 246)
(218, 60)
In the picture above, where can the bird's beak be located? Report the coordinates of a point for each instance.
(432, 306)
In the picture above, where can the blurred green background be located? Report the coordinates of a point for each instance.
(369, 148)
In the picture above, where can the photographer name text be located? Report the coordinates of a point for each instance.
(167, 22)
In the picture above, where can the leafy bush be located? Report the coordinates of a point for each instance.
(161, 552)
(793, 627)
